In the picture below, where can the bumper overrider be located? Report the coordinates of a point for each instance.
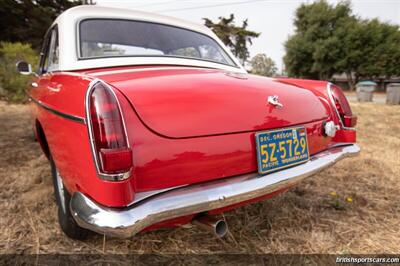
(126, 222)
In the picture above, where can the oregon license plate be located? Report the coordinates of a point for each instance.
(278, 149)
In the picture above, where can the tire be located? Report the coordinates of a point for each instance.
(67, 222)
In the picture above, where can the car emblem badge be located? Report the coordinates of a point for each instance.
(274, 100)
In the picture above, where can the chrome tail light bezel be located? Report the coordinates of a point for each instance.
(95, 156)
(333, 104)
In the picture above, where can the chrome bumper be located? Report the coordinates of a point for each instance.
(197, 198)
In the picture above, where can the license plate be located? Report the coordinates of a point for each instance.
(281, 148)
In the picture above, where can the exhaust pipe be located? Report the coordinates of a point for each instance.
(215, 224)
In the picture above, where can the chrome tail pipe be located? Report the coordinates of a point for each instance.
(215, 224)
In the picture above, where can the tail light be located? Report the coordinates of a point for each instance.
(342, 106)
(110, 147)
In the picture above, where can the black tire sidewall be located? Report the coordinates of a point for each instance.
(65, 218)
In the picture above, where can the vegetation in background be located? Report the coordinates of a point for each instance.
(329, 40)
(24, 23)
(12, 83)
(235, 37)
(27, 21)
(262, 65)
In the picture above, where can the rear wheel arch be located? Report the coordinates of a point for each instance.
(41, 137)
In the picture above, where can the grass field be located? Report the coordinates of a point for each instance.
(353, 207)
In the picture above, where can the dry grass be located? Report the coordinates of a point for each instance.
(306, 219)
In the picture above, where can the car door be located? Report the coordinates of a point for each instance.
(41, 91)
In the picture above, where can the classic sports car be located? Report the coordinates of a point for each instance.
(150, 122)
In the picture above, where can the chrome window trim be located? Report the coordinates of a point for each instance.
(46, 47)
(54, 42)
(329, 89)
(104, 176)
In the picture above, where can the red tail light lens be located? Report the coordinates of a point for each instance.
(112, 152)
(343, 107)
(116, 160)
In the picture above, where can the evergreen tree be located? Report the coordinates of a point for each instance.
(235, 37)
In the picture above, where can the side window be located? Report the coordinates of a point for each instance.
(44, 54)
(49, 54)
(53, 53)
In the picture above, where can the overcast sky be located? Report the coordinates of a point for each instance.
(273, 18)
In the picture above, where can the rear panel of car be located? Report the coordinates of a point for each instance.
(161, 162)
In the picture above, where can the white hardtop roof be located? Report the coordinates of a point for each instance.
(93, 11)
(68, 21)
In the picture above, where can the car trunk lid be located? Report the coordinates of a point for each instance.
(183, 102)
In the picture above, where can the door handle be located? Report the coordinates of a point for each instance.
(34, 85)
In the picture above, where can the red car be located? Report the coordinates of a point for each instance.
(149, 122)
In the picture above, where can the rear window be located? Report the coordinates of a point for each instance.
(100, 38)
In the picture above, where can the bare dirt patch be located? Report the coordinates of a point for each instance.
(353, 207)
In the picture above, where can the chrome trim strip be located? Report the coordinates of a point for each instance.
(58, 113)
(104, 176)
(329, 89)
(126, 222)
(144, 69)
(140, 196)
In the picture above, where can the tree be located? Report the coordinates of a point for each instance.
(263, 65)
(28, 20)
(314, 48)
(329, 39)
(236, 38)
(371, 50)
